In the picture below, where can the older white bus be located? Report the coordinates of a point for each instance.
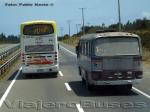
(39, 47)
(110, 58)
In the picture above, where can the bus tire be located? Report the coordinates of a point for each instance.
(125, 88)
(23, 75)
(88, 85)
(55, 74)
(128, 87)
(83, 80)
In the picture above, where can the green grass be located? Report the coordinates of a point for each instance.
(71, 41)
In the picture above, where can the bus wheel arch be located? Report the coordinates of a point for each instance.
(88, 85)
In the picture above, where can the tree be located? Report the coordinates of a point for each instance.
(9, 38)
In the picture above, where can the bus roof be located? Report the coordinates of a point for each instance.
(38, 22)
(107, 34)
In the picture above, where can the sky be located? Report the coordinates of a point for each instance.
(96, 12)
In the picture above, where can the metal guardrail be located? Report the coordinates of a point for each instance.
(8, 51)
(7, 64)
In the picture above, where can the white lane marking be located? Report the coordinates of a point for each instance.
(68, 87)
(80, 109)
(69, 51)
(9, 88)
(141, 92)
(61, 74)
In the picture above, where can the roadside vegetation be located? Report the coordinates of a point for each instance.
(8, 39)
(140, 27)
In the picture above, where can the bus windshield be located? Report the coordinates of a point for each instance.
(117, 46)
(38, 29)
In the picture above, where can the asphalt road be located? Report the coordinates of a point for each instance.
(66, 93)
(4, 45)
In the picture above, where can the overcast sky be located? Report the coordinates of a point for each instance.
(96, 13)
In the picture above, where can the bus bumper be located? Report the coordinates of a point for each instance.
(51, 69)
(116, 82)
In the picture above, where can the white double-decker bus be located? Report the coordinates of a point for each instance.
(39, 47)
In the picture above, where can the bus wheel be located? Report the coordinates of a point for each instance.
(125, 88)
(88, 85)
(55, 74)
(128, 87)
(23, 75)
(83, 80)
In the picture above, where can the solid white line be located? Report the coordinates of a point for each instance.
(69, 51)
(80, 109)
(68, 87)
(9, 88)
(141, 92)
(61, 74)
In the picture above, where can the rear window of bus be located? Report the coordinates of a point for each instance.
(38, 29)
(112, 46)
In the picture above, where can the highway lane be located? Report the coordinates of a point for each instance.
(44, 89)
(104, 95)
(145, 84)
(28, 92)
(5, 47)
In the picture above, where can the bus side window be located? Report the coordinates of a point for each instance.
(81, 47)
(84, 48)
(87, 48)
(85, 53)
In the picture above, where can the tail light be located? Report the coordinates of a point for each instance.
(139, 74)
(23, 58)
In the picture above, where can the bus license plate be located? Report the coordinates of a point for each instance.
(40, 70)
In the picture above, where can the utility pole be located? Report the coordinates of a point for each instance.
(119, 16)
(68, 21)
(83, 21)
(77, 28)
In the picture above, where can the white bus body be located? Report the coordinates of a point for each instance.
(113, 58)
(39, 52)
